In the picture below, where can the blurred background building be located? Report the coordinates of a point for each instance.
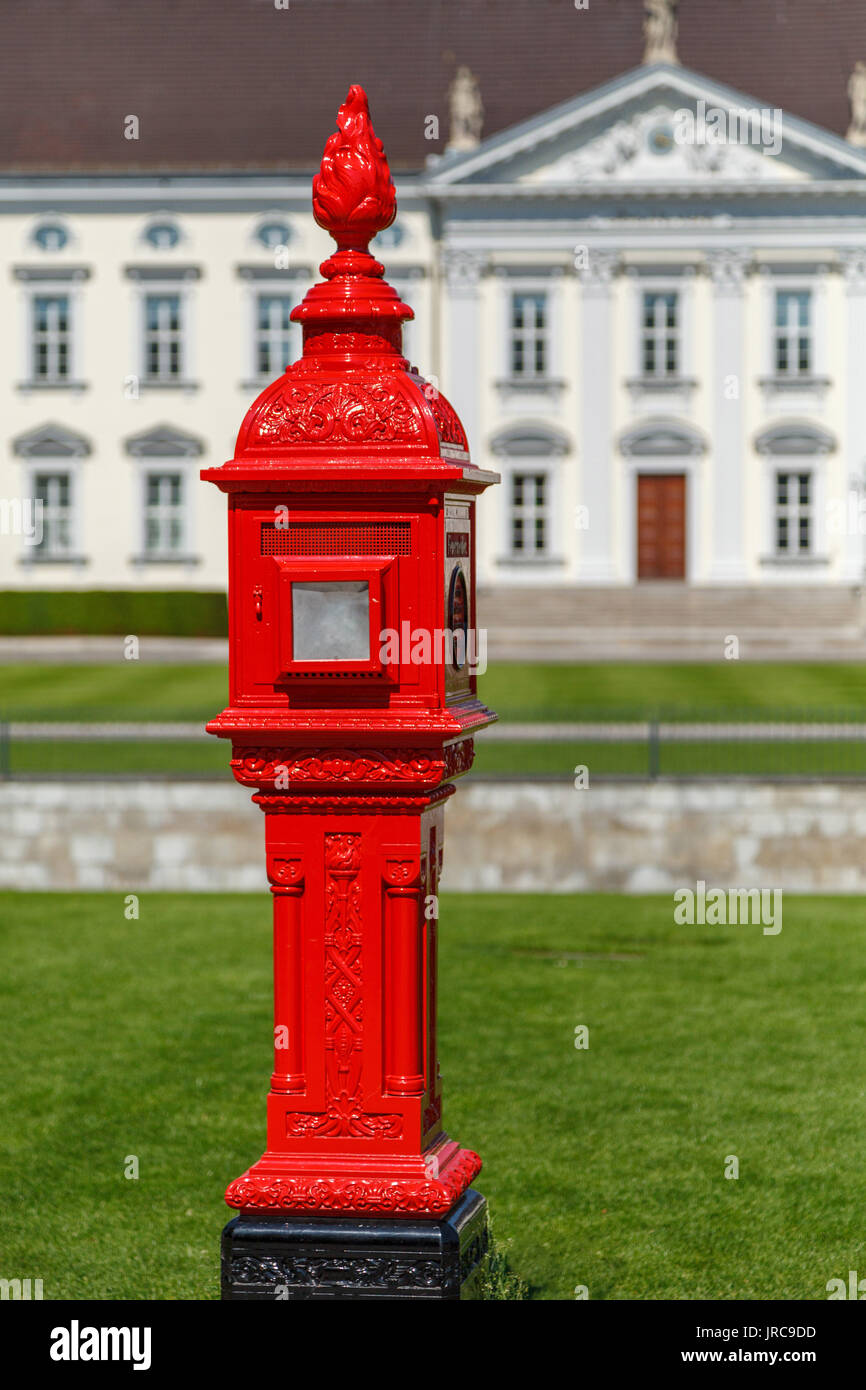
(634, 235)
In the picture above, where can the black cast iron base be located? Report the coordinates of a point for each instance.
(284, 1257)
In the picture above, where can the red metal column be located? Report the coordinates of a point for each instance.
(287, 886)
(403, 978)
(352, 516)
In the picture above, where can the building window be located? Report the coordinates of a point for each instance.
(54, 492)
(273, 334)
(529, 508)
(389, 237)
(529, 335)
(163, 514)
(162, 235)
(794, 520)
(51, 338)
(793, 333)
(162, 346)
(274, 234)
(660, 334)
(50, 236)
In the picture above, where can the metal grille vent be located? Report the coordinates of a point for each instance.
(339, 538)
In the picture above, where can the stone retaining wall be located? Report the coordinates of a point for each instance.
(504, 836)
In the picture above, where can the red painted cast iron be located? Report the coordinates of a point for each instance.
(351, 593)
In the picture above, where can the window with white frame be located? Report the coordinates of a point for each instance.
(529, 335)
(163, 338)
(51, 236)
(164, 519)
(794, 512)
(53, 492)
(51, 338)
(529, 519)
(274, 234)
(273, 334)
(162, 235)
(793, 333)
(660, 334)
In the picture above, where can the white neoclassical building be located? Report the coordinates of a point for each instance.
(648, 306)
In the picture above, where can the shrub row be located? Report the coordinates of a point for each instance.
(112, 613)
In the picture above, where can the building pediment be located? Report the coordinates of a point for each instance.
(529, 441)
(795, 437)
(654, 127)
(164, 441)
(51, 441)
(662, 439)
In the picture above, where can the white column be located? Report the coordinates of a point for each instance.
(727, 492)
(854, 446)
(462, 335)
(595, 425)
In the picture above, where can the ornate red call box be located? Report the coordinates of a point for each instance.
(352, 707)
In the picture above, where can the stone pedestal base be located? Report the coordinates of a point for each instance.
(284, 1257)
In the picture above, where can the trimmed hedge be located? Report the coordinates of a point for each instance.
(112, 613)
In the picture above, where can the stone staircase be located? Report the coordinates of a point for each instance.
(672, 621)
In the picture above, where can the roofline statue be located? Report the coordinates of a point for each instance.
(856, 132)
(660, 31)
(467, 111)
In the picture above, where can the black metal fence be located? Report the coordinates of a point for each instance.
(801, 745)
(798, 744)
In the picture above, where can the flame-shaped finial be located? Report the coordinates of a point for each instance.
(353, 193)
(353, 316)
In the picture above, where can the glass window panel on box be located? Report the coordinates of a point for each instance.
(331, 620)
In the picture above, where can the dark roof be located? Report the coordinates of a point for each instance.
(243, 85)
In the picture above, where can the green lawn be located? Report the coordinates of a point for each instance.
(726, 689)
(209, 757)
(603, 1167)
(124, 690)
(723, 689)
(704, 758)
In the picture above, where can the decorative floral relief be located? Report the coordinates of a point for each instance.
(434, 1197)
(343, 412)
(433, 1113)
(448, 425)
(344, 1115)
(346, 1271)
(459, 757)
(258, 765)
(287, 872)
(386, 803)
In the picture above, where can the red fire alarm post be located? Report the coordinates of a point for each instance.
(352, 708)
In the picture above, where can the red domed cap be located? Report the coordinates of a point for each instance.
(352, 394)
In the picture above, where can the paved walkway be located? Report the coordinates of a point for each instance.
(104, 651)
(560, 645)
(612, 731)
(664, 644)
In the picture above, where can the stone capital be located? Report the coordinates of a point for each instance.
(728, 269)
(463, 271)
(852, 261)
(598, 273)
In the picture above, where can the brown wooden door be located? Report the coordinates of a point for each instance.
(661, 526)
